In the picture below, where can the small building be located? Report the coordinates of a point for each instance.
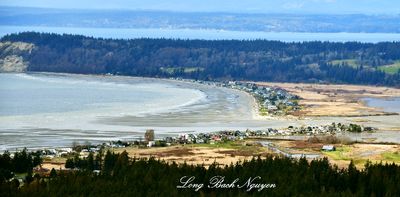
(200, 141)
(370, 129)
(272, 107)
(151, 144)
(328, 148)
(96, 172)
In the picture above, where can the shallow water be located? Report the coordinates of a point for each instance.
(52, 110)
(40, 110)
(386, 104)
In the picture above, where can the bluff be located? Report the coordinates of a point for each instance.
(257, 60)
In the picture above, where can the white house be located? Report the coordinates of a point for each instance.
(328, 148)
(272, 107)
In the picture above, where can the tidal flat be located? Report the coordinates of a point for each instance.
(41, 110)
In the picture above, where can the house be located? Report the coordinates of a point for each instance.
(96, 172)
(328, 148)
(272, 107)
(369, 129)
(200, 141)
(216, 138)
(151, 143)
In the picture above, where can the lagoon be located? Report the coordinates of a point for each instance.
(385, 104)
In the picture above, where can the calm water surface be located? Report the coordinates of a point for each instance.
(388, 105)
(207, 34)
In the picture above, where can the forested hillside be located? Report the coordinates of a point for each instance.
(259, 60)
(122, 176)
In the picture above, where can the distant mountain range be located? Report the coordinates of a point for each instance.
(18, 16)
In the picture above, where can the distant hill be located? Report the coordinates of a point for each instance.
(259, 60)
(356, 23)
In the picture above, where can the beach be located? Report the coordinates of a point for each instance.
(337, 100)
(52, 110)
(96, 109)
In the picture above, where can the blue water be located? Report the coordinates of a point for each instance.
(207, 34)
(387, 105)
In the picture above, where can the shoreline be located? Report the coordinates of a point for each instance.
(334, 100)
(256, 105)
(131, 127)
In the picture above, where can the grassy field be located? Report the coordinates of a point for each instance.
(350, 62)
(228, 145)
(361, 153)
(390, 69)
(391, 157)
(223, 153)
(263, 111)
(341, 153)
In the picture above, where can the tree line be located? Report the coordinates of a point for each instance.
(124, 176)
(21, 162)
(258, 60)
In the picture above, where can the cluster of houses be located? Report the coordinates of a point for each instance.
(83, 151)
(271, 100)
(204, 138)
(213, 137)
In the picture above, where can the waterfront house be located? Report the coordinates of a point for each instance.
(272, 107)
(328, 148)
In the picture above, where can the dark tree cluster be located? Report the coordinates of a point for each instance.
(123, 176)
(22, 162)
(355, 128)
(258, 60)
(90, 163)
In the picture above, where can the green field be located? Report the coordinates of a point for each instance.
(341, 153)
(350, 62)
(391, 156)
(390, 69)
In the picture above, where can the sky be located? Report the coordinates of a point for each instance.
(241, 6)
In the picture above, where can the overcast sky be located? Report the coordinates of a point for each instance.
(246, 6)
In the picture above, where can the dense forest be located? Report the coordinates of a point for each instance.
(124, 176)
(20, 162)
(258, 60)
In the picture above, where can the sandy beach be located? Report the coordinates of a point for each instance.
(336, 100)
(208, 109)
